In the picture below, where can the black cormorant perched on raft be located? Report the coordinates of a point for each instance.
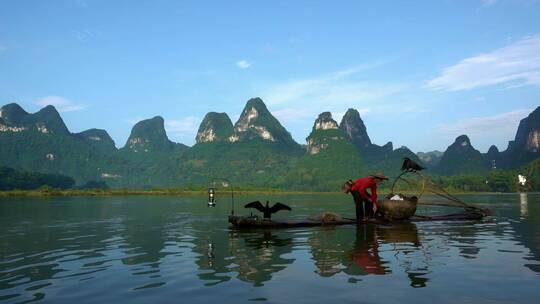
(267, 210)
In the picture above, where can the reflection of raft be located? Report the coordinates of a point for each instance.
(254, 222)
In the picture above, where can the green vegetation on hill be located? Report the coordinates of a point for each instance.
(47, 153)
(256, 163)
(97, 139)
(11, 179)
(257, 152)
(327, 135)
(326, 170)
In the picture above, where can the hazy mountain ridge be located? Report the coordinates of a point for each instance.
(526, 145)
(256, 122)
(149, 135)
(257, 150)
(353, 126)
(325, 132)
(462, 158)
(47, 120)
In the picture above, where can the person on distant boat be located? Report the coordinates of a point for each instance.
(362, 198)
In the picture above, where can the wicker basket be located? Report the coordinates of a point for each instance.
(398, 209)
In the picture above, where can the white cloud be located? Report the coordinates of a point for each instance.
(185, 126)
(515, 65)
(337, 89)
(84, 35)
(292, 115)
(494, 125)
(61, 104)
(243, 64)
(296, 103)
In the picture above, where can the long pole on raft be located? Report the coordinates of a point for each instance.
(232, 190)
(438, 190)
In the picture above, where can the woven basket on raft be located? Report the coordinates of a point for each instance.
(398, 209)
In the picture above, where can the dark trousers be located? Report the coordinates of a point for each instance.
(361, 204)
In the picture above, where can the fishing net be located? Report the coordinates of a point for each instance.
(418, 184)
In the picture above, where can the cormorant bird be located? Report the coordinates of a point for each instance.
(410, 165)
(267, 210)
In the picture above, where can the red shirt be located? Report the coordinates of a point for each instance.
(362, 184)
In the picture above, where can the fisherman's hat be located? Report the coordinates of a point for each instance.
(379, 175)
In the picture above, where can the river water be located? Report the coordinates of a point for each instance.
(140, 249)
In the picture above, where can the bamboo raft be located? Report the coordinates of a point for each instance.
(400, 209)
(255, 221)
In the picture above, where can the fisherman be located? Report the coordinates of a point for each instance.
(361, 196)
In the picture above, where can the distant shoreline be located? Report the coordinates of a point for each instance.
(178, 192)
(161, 192)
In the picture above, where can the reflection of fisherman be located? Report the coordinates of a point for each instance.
(366, 251)
(361, 196)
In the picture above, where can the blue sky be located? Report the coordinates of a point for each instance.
(420, 72)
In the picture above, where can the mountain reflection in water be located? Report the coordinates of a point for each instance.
(255, 255)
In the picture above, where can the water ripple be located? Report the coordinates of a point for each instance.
(161, 248)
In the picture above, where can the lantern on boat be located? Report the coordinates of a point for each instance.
(211, 197)
(522, 180)
(212, 191)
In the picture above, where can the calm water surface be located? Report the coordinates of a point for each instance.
(176, 250)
